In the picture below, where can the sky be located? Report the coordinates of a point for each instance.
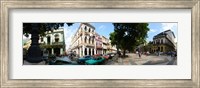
(106, 28)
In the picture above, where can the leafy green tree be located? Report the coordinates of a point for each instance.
(128, 35)
(149, 46)
(42, 27)
(38, 29)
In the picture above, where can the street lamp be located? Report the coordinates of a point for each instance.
(34, 52)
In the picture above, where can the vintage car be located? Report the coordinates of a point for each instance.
(63, 61)
(95, 61)
(83, 59)
(109, 56)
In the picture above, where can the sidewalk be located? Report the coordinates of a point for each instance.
(133, 59)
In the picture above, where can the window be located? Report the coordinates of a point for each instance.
(42, 40)
(89, 40)
(56, 38)
(161, 41)
(48, 40)
(85, 28)
(85, 39)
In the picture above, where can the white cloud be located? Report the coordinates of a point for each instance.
(152, 30)
(171, 26)
(102, 27)
(167, 26)
(69, 32)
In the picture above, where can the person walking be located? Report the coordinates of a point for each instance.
(158, 52)
(139, 53)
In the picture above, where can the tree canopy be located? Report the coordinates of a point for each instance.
(128, 35)
(43, 27)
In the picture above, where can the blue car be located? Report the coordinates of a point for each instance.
(96, 61)
(83, 59)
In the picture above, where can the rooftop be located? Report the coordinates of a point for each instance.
(164, 33)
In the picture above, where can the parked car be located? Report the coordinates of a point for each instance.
(97, 55)
(83, 59)
(109, 56)
(98, 60)
(63, 61)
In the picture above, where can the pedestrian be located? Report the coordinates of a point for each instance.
(158, 52)
(45, 56)
(139, 52)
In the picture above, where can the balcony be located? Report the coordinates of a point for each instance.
(53, 43)
(57, 43)
(99, 47)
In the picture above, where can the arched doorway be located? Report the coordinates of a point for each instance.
(89, 51)
(85, 51)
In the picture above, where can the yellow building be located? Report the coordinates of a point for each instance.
(54, 42)
(164, 42)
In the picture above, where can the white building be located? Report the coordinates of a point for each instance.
(53, 41)
(87, 42)
(83, 41)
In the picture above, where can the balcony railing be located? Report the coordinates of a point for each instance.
(53, 43)
(99, 47)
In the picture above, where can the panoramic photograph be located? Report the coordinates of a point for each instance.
(100, 43)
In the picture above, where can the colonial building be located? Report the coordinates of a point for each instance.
(53, 41)
(111, 48)
(164, 42)
(87, 42)
(83, 42)
(99, 44)
(106, 45)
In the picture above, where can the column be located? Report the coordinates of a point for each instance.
(80, 54)
(91, 51)
(87, 51)
(52, 51)
(95, 51)
(61, 50)
(83, 50)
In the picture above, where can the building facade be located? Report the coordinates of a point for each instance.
(99, 44)
(83, 42)
(87, 42)
(164, 42)
(53, 41)
(106, 45)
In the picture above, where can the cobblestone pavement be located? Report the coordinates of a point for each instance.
(133, 59)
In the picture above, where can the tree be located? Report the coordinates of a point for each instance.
(128, 35)
(38, 29)
(42, 27)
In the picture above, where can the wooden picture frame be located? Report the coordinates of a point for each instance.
(6, 5)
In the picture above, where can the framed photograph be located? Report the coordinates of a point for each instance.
(100, 43)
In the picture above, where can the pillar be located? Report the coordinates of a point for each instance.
(61, 50)
(91, 51)
(80, 54)
(52, 51)
(87, 51)
(83, 50)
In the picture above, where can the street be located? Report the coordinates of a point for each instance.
(133, 59)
